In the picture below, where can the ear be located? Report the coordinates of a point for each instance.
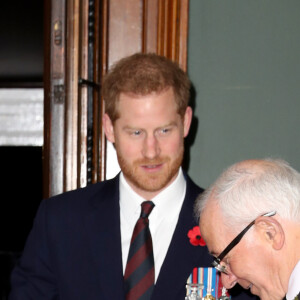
(271, 231)
(187, 120)
(108, 128)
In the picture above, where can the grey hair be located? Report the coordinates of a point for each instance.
(244, 193)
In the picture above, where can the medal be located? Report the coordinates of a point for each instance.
(205, 284)
(210, 287)
(209, 297)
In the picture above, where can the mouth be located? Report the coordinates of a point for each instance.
(152, 167)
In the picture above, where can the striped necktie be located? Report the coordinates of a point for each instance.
(139, 272)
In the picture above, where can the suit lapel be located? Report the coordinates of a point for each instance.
(181, 257)
(103, 229)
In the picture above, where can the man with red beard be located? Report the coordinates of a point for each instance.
(82, 240)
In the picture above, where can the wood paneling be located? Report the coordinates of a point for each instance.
(172, 30)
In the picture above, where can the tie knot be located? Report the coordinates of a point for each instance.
(147, 207)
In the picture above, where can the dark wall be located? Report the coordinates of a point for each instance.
(21, 189)
(21, 62)
(21, 65)
(21, 41)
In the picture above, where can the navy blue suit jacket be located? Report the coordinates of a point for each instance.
(74, 249)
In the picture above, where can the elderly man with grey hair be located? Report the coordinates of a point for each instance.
(250, 221)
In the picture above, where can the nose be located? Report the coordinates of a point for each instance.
(151, 148)
(229, 280)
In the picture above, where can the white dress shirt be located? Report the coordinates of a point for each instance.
(162, 220)
(294, 283)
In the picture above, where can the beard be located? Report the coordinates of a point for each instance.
(151, 182)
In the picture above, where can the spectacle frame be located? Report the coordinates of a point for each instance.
(217, 261)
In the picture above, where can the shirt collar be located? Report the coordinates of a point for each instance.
(165, 201)
(169, 201)
(294, 283)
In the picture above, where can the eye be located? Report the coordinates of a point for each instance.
(223, 267)
(164, 131)
(226, 265)
(136, 132)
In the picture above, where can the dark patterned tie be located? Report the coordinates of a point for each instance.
(139, 273)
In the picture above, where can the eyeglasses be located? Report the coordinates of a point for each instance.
(217, 261)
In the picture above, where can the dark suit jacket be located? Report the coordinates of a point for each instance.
(74, 249)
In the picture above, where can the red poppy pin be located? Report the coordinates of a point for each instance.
(195, 237)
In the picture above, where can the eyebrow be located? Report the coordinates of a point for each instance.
(131, 128)
(128, 127)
